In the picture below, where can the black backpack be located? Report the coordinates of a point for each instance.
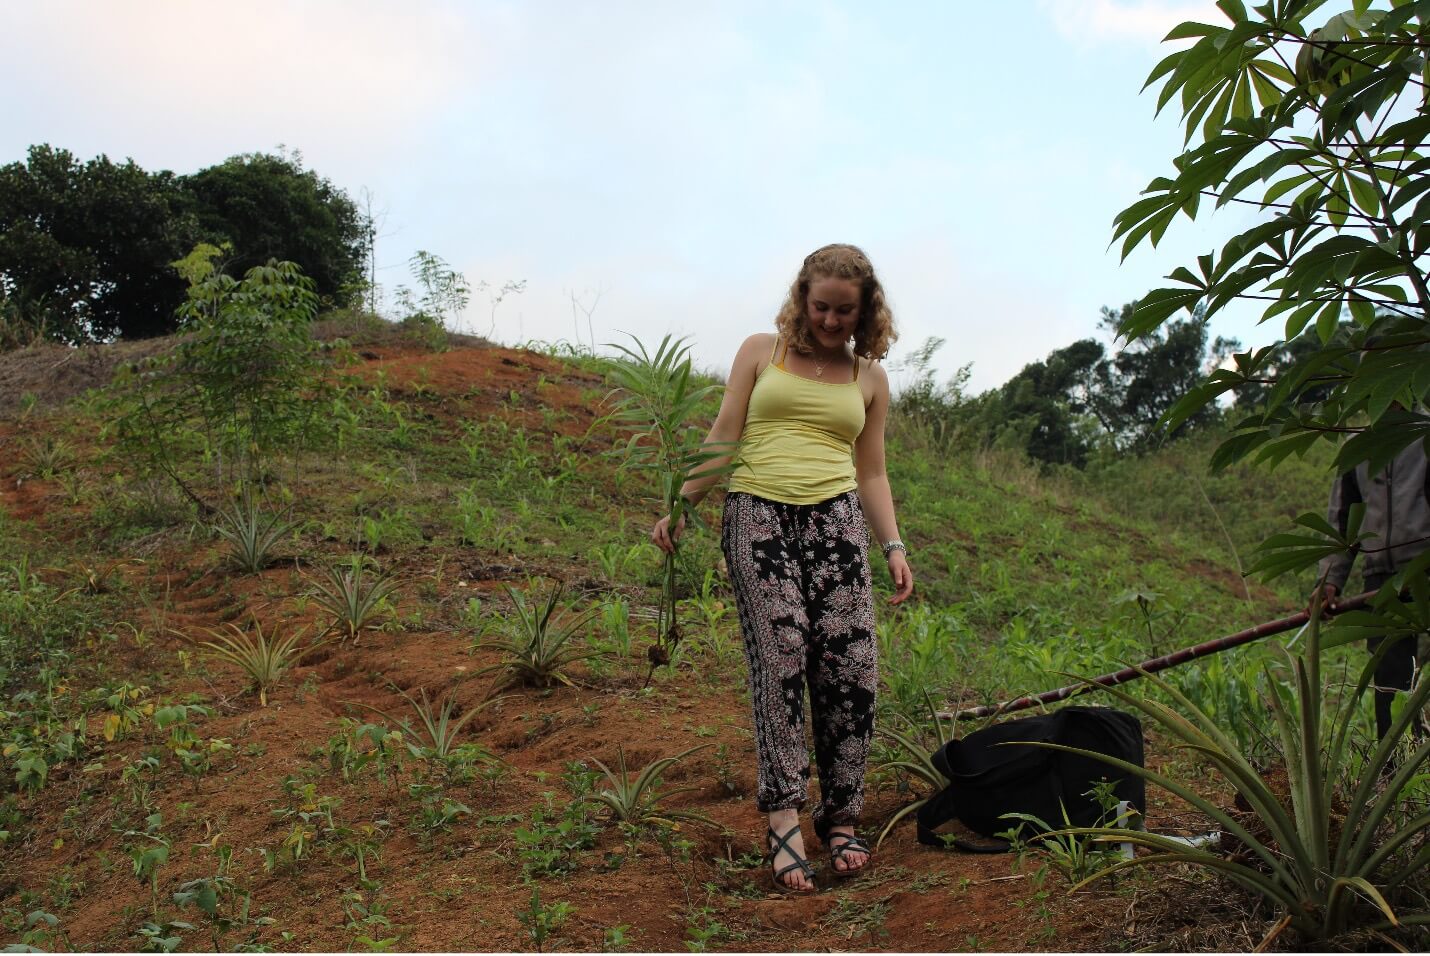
(990, 775)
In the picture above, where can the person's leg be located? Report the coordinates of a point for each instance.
(764, 572)
(842, 666)
(1395, 674)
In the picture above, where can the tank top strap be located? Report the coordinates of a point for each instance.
(782, 352)
(856, 366)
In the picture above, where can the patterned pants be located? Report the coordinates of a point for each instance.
(802, 586)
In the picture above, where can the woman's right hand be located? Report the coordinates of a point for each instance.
(664, 537)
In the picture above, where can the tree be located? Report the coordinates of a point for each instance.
(85, 247)
(1322, 128)
(270, 208)
(1148, 376)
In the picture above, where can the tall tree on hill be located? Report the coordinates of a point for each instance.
(85, 248)
(1150, 375)
(1062, 407)
(269, 207)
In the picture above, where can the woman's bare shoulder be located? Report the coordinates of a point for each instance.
(874, 379)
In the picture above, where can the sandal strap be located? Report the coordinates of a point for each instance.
(778, 843)
(850, 844)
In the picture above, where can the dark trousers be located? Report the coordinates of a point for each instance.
(1396, 671)
(803, 590)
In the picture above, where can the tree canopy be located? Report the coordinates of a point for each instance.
(1321, 125)
(86, 248)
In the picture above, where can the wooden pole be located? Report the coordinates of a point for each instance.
(1154, 665)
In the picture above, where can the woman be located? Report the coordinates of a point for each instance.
(808, 404)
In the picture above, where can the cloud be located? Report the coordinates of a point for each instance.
(1093, 22)
(323, 76)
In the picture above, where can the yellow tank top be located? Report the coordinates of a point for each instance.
(798, 442)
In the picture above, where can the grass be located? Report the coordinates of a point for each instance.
(1020, 578)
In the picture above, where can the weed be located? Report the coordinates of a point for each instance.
(224, 905)
(542, 920)
(436, 812)
(1075, 856)
(616, 938)
(148, 852)
(357, 746)
(163, 937)
(549, 843)
(856, 918)
(703, 929)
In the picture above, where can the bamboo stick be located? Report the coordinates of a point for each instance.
(1154, 665)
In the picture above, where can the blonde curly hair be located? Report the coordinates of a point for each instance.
(875, 332)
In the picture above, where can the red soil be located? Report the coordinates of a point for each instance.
(462, 890)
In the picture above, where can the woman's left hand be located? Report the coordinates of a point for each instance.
(903, 576)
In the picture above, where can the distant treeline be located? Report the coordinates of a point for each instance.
(1081, 401)
(86, 248)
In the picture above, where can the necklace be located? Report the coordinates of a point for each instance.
(819, 366)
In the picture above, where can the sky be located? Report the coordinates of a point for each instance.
(667, 166)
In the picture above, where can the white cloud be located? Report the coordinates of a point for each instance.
(325, 77)
(1092, 22)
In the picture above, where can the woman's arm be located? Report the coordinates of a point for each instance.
(729, 426)
(875, 495)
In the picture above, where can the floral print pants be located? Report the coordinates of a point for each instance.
(803, 590)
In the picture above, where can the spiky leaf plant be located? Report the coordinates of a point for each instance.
(637, 800)
(46, 455)
(916, 760)
(437, 728)
(538, 647)
(1327, 871)
(656, 396)
(264, 661)
(250, 533)
(353, 595)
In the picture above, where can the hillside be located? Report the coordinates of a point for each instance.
(475, 470)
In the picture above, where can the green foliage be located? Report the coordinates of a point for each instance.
(1076, 856)
(912, 757)
(240, 387)
(538, 650)
(542, 920)
(269, 207)
(251, 535)
(1339, 174)
(85, 247)
(263, 661)
(657, 397)
(435, 735)
(444, 292)
(1349, 836)
(358, 746)
(354, 599)
(1075, 402)
(636, 800)
(550, 842)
